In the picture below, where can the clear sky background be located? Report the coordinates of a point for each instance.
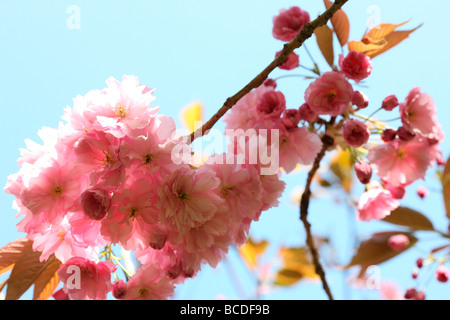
(207, 50)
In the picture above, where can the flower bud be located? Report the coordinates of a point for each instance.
(95, 203)
(389, 103)
(292, 61)
(398, 242)
(422, 192)
(291, 118)
(119, 289)
(404, 134)
(355, 133)
(306, 113)
(388, 135)
(442, 273)
(363, 171)
(360, 100)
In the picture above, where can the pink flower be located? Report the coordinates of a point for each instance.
(86, 280)
(360, 100)
(271, 105)
(298, 145)
(292, 61)
(119, 289)
(273, 188)
(149, 283)
(132, 215)
(389, 103)
(375, 203)
(398, 192)
(188, 198)
(244, 115)
(355, 133)
(95, 203)
(398, 242)
(363, 171)
(401, 162)
(330, 94)
(388, 135)
(289, 23)
(60, 295)
(391, 291)
(422, 192)
(53, 191)
(418, 114)
(306, 113)
(291, 118)
(240, 187)
(59, 239)
(97, 154)
(355, 65)
(442, 273)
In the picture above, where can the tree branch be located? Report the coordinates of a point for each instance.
(288, 48)
(304, 204)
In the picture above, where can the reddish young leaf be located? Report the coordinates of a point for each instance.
(409, 218)
(47, 282)
(10, 253)
(324, 37)
(380, 31)
(376, 249)
(26, 271)
(340, 22)
(392, 40)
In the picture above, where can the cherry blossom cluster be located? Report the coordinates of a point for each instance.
(110, 175)
(399, 156)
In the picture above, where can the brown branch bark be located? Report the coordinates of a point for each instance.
(304, 205)
(288, 48)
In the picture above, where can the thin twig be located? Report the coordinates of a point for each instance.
(288, 48)
(304, 204)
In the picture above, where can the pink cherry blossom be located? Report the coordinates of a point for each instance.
(401, 162)
(298, 145)
(391, 291)
(291, 118)
(355, 65)
(330, 94)
(53, 190)
(306, 113)
(375, 203)
(149, 283)
(289, 23)
(133, 211)
(355, 133)
(243, 115)
(187, 198)
(271, 105)
(419, 116)
(86, 280)
(291, 62)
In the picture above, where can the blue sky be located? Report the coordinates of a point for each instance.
(208, 50)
